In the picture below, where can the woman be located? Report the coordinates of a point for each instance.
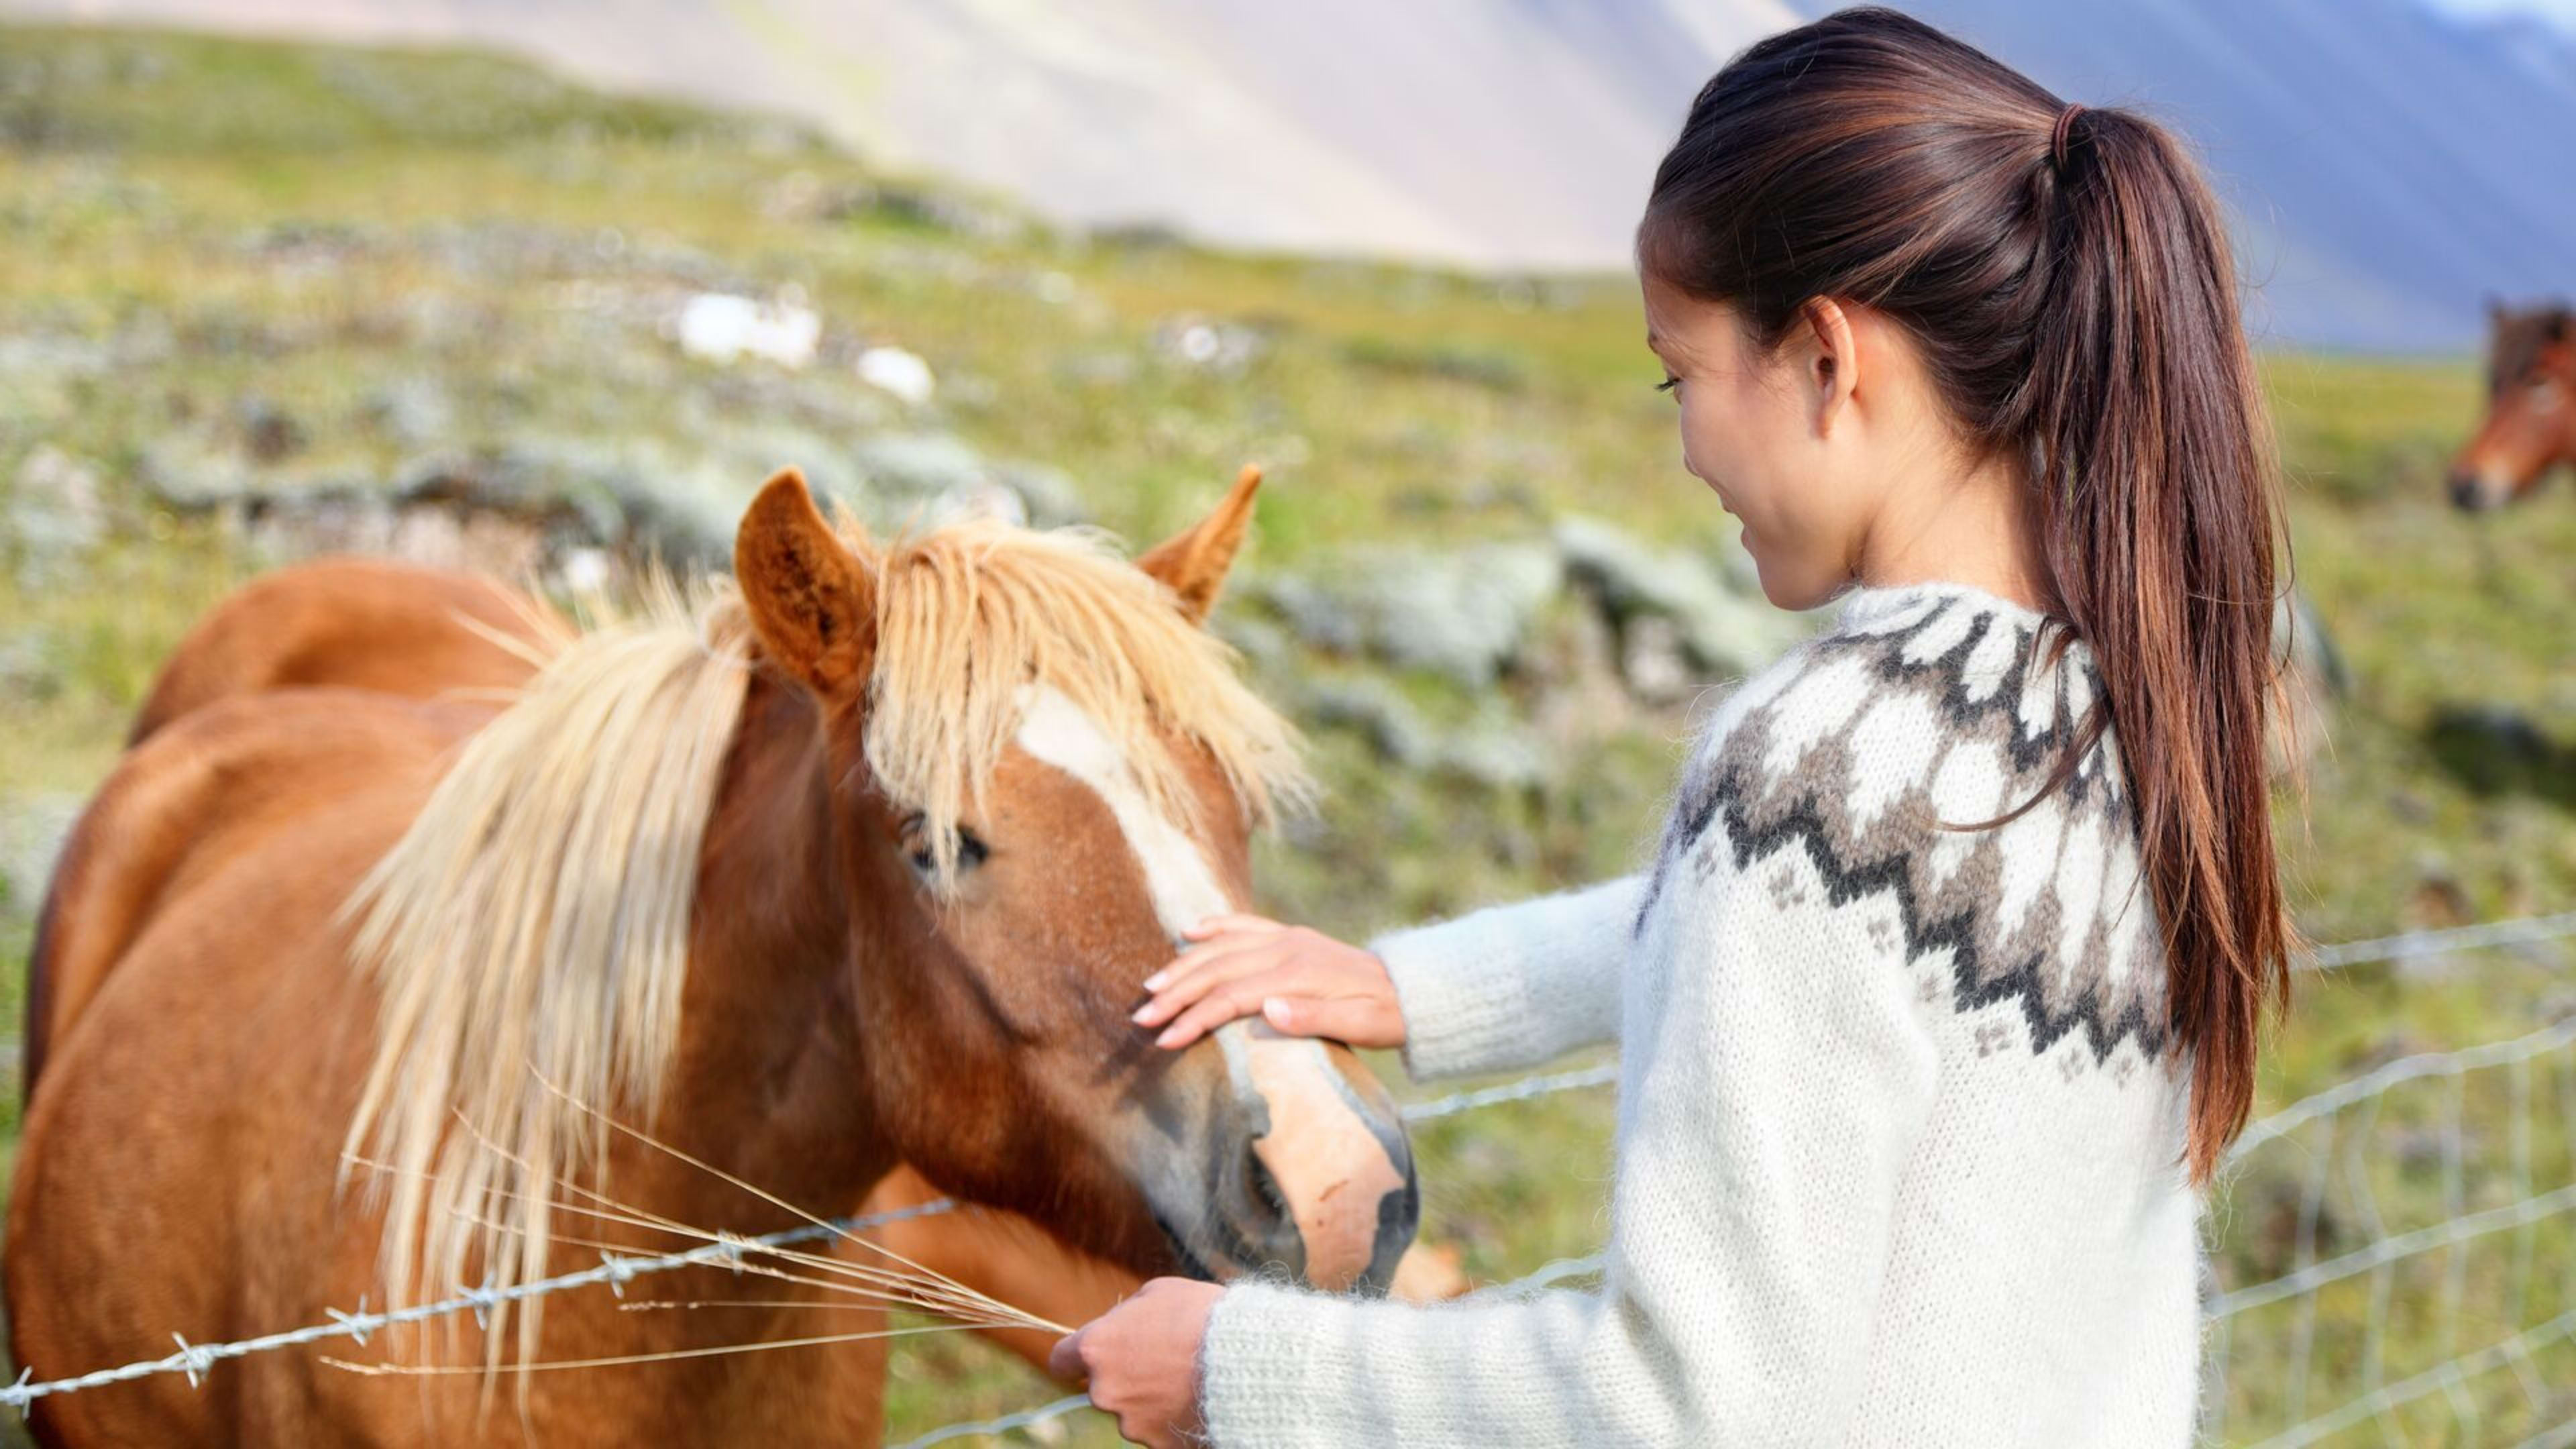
(1941, 1000)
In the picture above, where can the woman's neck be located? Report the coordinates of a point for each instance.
(1975, 527)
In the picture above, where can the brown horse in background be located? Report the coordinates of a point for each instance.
(2530, 425)
(850, 996)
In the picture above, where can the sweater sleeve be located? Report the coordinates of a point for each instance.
(1514, 985)
(1780, 1085)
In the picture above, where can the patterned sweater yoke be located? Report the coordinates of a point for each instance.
(1932, 710)
(1900, 1119)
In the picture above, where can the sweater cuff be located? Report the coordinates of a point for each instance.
(1267, 1349)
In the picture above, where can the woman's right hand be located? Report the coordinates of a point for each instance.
(1303, 982)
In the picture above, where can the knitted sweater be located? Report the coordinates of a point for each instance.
(1900, 1124)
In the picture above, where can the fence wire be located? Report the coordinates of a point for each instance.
(2325, 1198)
(2394, 1259)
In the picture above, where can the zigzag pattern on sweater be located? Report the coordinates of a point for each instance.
(1860, 746)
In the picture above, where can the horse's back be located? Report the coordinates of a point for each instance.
(359, 623)
(354, 623)
(218, 783)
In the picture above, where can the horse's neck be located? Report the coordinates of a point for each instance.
(769, 1081)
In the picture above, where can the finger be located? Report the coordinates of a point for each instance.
(1225, 921)
(1235, 999)
(1214, 948)
(1210, 975)
(1065, 1359)
(1358, 1020)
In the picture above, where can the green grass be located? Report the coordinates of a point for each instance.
(191, 227)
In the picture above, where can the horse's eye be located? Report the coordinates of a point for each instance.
(971, 851)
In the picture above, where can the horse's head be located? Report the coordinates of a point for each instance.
(1043, 769)
(2531, 408)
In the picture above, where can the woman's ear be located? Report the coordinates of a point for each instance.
(1832, 359)
(810, 599)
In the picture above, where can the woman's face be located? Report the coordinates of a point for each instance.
(1756, 430)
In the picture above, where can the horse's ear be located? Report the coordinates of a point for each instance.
(810, 598)
(1193, 562)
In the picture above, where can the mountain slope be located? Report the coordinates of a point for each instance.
(2389, 165)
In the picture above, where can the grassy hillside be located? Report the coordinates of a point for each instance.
(237, 273)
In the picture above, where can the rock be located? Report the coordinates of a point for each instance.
(1654, 661)
(55, 512)
(1719, 630)
(1104, 370)
(938, 210)
(1049, 496)
(413, 412)
(584, 572)
(1496, 756)
(1464, 613)
(922, 477)
(27, 669)
(2315, 677)
(2302, 641)
(1372, 707)
(1258, 640)
(1206, 344)
(2495, 749)
(32, 831)
(1495, 753)
(719, 327)
(898, 372)
(269, 433)
(632, 496)
(183, 471)
(922, 465)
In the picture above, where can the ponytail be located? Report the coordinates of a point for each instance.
(2157, 499)
(2066, 275)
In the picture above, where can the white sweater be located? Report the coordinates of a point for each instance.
(1900, 1124)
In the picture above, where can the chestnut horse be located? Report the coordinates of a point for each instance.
(465, 641)
(430, 634)
(861, 866)
(2530, 425)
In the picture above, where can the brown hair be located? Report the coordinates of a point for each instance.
(2068, 282)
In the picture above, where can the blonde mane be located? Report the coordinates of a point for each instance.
(529, 934)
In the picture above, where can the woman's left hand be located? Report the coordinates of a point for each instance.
(1142, 1358)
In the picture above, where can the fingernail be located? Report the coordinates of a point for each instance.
(1276, 1009)
(1168, 1038)
(1142, 1012)
(1155, 981)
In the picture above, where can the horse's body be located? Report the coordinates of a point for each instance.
(307, 636)
(362, 624)
(179, 1170)
(2530, 426)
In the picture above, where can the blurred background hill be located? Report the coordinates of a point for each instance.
(2388, 159)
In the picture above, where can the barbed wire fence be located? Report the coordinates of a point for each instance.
(2407, 1241)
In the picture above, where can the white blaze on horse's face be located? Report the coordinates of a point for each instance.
(1054, 729)
(1322, 1151)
